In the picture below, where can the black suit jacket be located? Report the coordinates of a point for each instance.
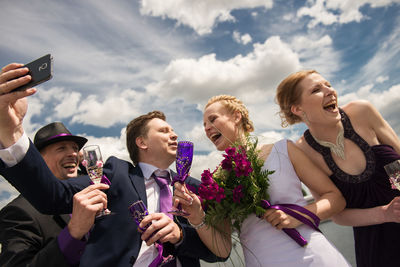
(114, 240)
(29, 237)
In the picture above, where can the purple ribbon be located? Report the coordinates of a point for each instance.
(58, 135)
(138, 211)
(288, 209)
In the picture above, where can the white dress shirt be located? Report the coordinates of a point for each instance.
(15, 153)
(148, 253)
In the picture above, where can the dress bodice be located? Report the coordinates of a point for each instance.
(264, 245)
(353, 136)
(372, 186)
(373, 243)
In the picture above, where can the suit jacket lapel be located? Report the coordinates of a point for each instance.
(136, 176)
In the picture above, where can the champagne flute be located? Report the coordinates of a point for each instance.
(393, 171)
(184, 157)
(138, 211)
(93, 162)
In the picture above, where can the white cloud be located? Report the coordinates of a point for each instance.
(386, 101)
(113, 109)
(111, 146)
(379, 98)
(315, 51)
(7, 192)
(241, 39)
(328, 12)
(319, 14)
(96, 45)
(383, 63)
(199, 138)
(202, 16)
(253, 78)
(204, 162)
(98, 110)
(382, 79)
(258, 72)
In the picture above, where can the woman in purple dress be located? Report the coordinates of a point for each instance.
(351, 144)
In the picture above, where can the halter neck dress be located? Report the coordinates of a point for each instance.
(375, 245)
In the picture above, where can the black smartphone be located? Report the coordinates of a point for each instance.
(40, 71)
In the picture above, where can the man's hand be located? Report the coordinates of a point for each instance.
(163, 227)
(87, 203)
(13, 106)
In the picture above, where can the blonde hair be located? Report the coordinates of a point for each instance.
(232, 104)
(288, 94)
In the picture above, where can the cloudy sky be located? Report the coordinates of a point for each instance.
(115, 60)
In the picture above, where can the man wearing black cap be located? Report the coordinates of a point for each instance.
(29, 237)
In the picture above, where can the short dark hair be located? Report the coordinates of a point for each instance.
(138, 127)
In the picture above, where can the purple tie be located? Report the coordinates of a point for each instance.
(162, 179)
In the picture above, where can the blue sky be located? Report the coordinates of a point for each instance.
(115, 60)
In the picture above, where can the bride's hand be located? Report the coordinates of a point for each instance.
(190, 203)
(280, 220)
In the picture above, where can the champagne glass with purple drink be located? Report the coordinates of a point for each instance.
(138, 211)
(184, 157)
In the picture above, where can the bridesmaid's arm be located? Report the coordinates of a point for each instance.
(328, 199)
(371, 216)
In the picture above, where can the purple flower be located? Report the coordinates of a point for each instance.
(243, 166)
(211, 191)
(205, 192)
(237, 193)
(226, 164)
(220, 194)
(206, 177)
(230, 151)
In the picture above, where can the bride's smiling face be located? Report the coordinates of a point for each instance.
(220, 125)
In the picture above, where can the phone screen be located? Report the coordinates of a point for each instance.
(40, 71)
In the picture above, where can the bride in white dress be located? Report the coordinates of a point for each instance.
(264, 243)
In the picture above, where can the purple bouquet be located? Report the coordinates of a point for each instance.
(238, 188)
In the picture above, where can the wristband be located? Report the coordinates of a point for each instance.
(201, 224)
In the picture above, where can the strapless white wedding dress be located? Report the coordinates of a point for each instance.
(263, 245)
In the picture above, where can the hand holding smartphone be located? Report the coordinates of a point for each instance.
(40, 71)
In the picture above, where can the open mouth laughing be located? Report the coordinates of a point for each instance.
(331, 106)
(214, 137)
(69, 165)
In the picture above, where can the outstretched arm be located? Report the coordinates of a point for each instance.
(371, 216)
(13, 106)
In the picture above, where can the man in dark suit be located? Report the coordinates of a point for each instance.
(115, 239)
(29, 237)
